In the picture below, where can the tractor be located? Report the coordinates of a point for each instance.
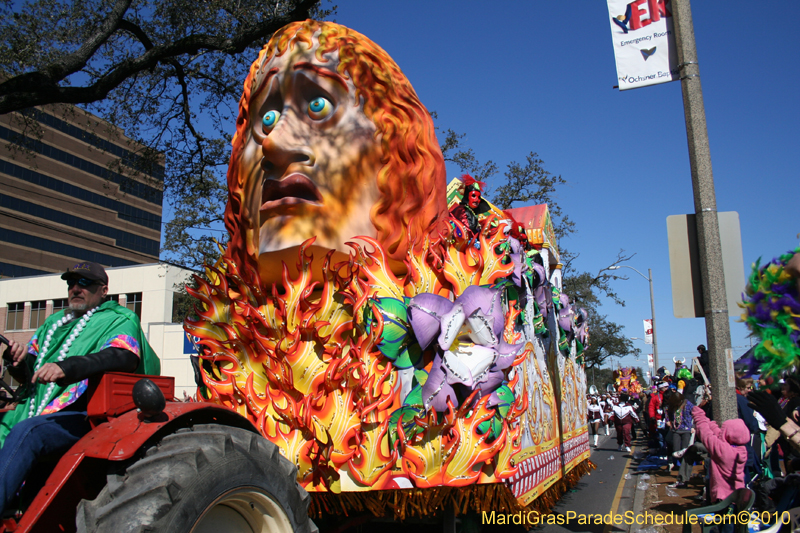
(154, 465)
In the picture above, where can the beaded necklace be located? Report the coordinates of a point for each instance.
(32, 409)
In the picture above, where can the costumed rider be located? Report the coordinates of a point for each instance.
(92, 336)
(472, 207)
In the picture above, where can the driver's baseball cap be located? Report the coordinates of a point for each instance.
(88, 270)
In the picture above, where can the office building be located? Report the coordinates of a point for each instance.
(71, 194)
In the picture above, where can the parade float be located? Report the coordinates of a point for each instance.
(401, 340)
(627, 382)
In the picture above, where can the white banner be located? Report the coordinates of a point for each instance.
(648, 331)
(644, 42)
(650, 359)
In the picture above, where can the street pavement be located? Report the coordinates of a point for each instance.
(603, 491)
(607, 491)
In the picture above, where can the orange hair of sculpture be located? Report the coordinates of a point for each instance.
(411, 181)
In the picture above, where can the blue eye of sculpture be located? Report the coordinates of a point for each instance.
(319, 108)
(270, 119)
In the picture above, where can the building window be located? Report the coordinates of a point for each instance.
(60, 305)
(38, 312)
(113, 298)
(135, 303)
(14, 317)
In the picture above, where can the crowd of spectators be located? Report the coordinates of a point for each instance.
(759, 449)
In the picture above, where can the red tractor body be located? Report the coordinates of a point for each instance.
(119, 433)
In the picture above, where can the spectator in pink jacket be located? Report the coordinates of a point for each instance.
(726, 450)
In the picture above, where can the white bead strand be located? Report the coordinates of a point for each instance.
(32, 409)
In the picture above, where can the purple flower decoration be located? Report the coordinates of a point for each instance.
(582, 326)
(540, 291)
(425, 313)
(565, 316)
(470, 349)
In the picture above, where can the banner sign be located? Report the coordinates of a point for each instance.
(644, 42)
(648, 331)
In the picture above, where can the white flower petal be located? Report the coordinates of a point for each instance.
(481, 329)
(480, 360)
(457, 370)
(451, 325)
(468, 364)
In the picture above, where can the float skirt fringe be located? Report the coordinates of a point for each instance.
(419, 503)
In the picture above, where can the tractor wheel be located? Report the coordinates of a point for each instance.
(202, 479)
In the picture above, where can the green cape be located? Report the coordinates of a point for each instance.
(109, 321)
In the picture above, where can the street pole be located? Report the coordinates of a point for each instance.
(653, 319)
(649, 278)
(705, 205)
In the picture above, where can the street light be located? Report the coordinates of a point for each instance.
(652, 307)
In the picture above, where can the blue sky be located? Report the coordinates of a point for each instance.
(517, 77)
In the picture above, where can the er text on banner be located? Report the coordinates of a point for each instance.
(644, 42)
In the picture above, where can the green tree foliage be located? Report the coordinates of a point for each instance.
(599, 377)
(606, 341)
(454, 152)
(184, 304)
(167, 73)
(531, 184)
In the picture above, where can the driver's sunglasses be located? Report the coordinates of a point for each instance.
(83, 282)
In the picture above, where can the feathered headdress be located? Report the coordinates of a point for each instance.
(772, 312)
(471, 183)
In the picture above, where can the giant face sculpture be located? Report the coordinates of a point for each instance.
(331, 143)
(313, 156)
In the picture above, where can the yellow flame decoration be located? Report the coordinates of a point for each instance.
(303, 366)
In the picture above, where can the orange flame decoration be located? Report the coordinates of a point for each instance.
(447, 454)
(464, 265)
(303, 366)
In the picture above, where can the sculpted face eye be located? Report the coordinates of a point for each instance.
(319, 108)
(270, 119)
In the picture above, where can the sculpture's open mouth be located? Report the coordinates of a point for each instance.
(280, 197)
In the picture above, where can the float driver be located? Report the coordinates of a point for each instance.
(92, 336)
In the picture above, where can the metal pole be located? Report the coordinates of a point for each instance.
(705, 205)
(653, 318)
(649, 279)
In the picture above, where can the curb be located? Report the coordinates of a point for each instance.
(638, 502)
